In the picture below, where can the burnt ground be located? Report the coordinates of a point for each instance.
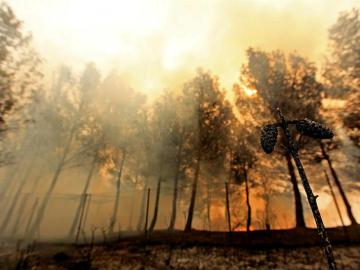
(282, 249)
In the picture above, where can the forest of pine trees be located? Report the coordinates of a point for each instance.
(82, 152)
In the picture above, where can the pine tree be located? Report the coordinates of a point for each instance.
(287, 82)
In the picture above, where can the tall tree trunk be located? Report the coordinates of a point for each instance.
(338, 184)
(208, 206)
(133, 201)
(299, 212)
(117, 198)
(15, 200)
(156, 207)
(334, 198)
(22, 206)
(74, 225)
(247, 192)
(85, 190)
(82, 212)
(175, 192)
(42, 208)
(228, 216)
(267, 214)
(30, 219)
(139, 226)
(8, 182)
(86, 209)
(147, 210)
(193, 193)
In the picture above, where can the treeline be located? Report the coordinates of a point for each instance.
(191, 139)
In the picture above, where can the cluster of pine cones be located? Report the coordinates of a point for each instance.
(306, 127)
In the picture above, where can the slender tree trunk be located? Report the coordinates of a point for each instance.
(147, 210)
(175, 192)
(156, 207)
(76, 219)
(133, 202)
(8, 182)
(228, 206)
(193, 193)
(7, 200)
(87, 209)
(20, 211)
(247, 192)
(42, 209)
(15, 200)
(23, 204)
(30, 219)
(267, 215)
(85, 196)
(41, 212)
(334, 197)
(117, 198)
(338, 184)
(299, 212)
(139, 226)
(85, 190)
(174, 201)
(208, 204)
(36, 182)
(43, 206)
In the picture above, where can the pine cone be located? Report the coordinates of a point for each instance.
(314, 129)
(268, 138)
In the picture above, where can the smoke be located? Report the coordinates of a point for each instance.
(158, 44)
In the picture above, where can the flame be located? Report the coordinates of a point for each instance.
(243, 228)
(248, 91)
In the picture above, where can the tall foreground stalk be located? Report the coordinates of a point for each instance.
(312, 129)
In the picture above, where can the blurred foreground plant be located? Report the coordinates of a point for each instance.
(314, 130)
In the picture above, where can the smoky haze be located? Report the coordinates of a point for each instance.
(158, 45)
(96, 138)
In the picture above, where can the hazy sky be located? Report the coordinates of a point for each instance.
(157, 44)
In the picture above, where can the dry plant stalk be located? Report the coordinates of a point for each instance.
(317, 131)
